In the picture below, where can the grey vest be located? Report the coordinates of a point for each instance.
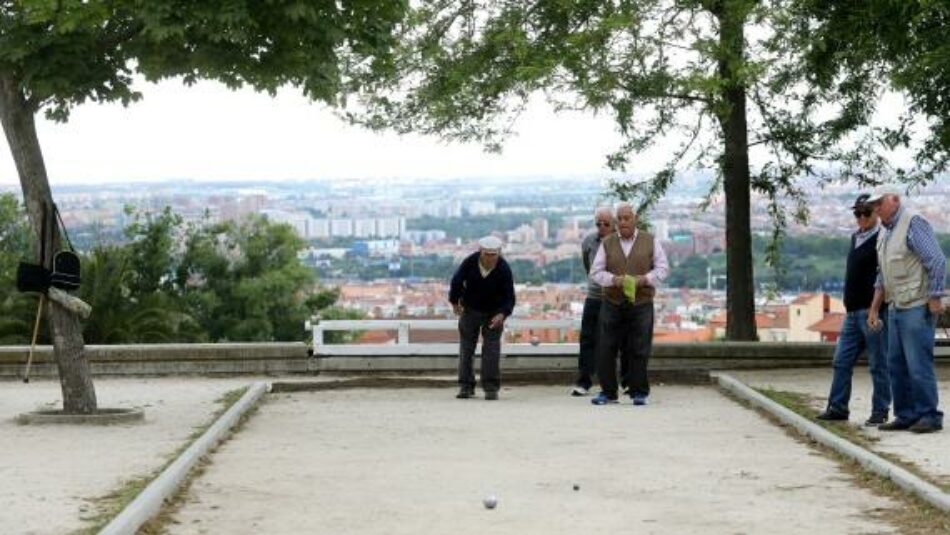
(905, 280)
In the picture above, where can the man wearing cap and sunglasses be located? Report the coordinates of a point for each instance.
(482, 294)
(590, 319)
(856, 336)
(911, 281)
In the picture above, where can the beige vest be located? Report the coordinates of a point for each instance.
(638, 262)
(905, 280)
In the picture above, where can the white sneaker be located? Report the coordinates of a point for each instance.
(578, 391)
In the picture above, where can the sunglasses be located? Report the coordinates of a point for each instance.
(866, 212)
(602, 224)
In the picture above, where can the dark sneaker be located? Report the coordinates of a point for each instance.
(491, 396)
(875, 420)
(578, 391)
(465, 393)
(603, 399)
(639, 399)
(895, 425)
(925, 426)
(831, 415)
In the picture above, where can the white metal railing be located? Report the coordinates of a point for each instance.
(403, 346)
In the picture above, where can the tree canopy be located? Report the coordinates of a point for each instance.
(58, 54)
(725, 84)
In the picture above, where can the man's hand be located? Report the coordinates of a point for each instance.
(874, 322)
(497, 321)
(618, 281)
(935, 305)
(458, 308)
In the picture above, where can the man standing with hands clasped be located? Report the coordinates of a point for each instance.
(856, 336)
(482, 294)
(911, 281)
(629, 265)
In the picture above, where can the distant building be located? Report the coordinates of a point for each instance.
(481, 208)
(541, 230)
(390, 227)
(364, 228)
(806, 311)
(341, 228)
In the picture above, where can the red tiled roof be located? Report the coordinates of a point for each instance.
(831, 323)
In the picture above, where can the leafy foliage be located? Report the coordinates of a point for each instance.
(68, 52)
(900, 42)
(176, 283)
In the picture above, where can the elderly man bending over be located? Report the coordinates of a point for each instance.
(629, 265)
(482, 294)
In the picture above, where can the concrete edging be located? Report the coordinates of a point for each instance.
(149, 501)
(868, 460)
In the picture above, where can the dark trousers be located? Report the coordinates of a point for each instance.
(470, 323)
(587, 357)
(627, 328)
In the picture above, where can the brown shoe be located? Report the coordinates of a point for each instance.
(895, 425)
(925, 426)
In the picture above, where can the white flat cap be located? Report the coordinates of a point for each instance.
(490, 243)
(879, 194)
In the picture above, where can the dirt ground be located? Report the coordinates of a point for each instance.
(931, 453)
(419, 461)
(48, 473)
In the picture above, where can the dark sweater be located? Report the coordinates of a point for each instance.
(860, 274)
(494, 293)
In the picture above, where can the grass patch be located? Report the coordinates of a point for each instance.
(157, 524)
(911, 515)
(105, 508)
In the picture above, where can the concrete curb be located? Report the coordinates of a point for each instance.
(869, 461)
(150, 500)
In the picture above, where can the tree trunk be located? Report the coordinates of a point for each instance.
(17, 119)
(740, 289)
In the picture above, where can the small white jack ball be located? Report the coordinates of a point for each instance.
(490, 502)
(535, 340)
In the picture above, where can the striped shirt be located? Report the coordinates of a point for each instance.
(921, 241)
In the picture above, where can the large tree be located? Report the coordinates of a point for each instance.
(905, 43)
(56, 54)
(720, 84)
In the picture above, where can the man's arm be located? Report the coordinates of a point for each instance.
(586, 244)
(456, 286)
(507, 298)
(874, 321)
(598, 269)
(661, 266)
(922, 241)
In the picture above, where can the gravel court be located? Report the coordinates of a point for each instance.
(419, 461)
(49, 473)
(930, 452)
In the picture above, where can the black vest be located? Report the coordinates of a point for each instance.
(860, 274)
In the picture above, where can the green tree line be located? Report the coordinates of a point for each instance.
(172, 281)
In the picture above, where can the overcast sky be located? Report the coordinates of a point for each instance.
(207, 132)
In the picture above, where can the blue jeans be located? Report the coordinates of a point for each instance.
(857, 338)
(910, 357)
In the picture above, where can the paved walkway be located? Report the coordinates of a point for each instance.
(418, 461)
(931, 453)
(49, 473)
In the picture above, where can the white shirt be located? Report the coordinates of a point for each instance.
(600, 275)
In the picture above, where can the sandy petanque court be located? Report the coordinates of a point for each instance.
(416, 460)
(419, 461)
